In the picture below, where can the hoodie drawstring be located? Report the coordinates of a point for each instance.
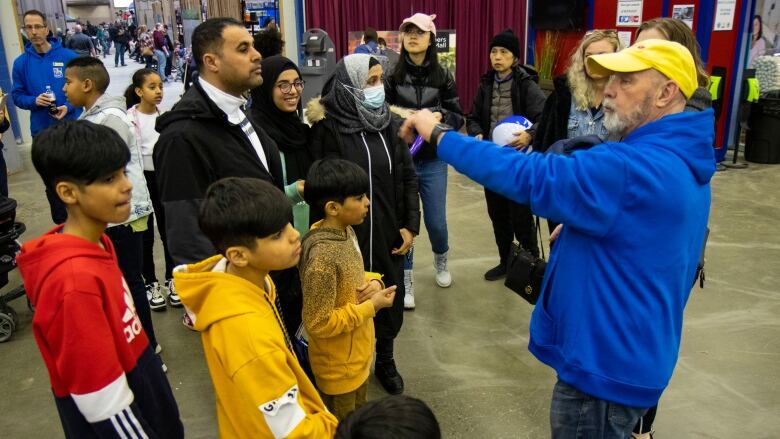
(370, 210)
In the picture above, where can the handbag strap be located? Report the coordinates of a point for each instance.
(539, 231)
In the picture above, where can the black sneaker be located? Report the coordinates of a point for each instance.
(389, 377)
(496, 272)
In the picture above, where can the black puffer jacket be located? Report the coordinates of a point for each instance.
(416, 92)
(527, 100)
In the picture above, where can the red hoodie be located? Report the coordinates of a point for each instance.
(103, 372)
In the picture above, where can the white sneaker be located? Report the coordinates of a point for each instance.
(158, 349)
(164, 368)
(186, 320)
(155, 297)
(409, 289)
(173, 296)
(443, 277)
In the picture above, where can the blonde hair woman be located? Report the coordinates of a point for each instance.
(574, 107)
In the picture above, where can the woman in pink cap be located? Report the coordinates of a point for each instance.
(417, 82)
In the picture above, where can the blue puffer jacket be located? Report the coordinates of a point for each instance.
(32, 72)
(610, 315)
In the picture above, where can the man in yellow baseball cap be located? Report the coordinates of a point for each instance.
(641, 204)
(651, 79)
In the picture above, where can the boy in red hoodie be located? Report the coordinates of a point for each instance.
(107, 380)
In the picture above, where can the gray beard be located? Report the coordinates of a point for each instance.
(618, 125)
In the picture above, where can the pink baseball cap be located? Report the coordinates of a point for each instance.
(423, 21)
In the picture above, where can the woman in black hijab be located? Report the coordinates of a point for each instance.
(352, 121)
(276, 107)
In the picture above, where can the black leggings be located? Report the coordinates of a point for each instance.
(129, 252)
(149, 272)
(511, 221)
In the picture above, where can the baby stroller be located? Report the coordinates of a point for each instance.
(10, 231)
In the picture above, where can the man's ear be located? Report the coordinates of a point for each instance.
(237, 256)
(668, 93)
(67, 191)
(211, 62)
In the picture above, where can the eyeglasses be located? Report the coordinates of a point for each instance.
(417, 32)
(286, 87)
(36, 27)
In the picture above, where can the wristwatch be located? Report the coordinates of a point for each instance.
(438, 129)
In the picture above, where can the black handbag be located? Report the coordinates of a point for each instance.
(525, 272)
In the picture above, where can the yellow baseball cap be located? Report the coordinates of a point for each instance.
(672, 59)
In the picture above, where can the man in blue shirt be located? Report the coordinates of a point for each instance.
(609, 318)
(369, 46)
(42, 64)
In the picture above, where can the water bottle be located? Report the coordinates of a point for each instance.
(53, 106)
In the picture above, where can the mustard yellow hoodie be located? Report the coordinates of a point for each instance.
(341, 332)
(261, 390)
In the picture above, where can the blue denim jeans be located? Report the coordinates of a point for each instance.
(161, 60)
(576, 415)
(432, 179)
(119, 54)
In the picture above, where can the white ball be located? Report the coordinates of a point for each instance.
(505, 130)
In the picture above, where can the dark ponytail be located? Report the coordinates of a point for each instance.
(131, 98)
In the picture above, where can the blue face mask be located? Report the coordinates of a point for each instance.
(374, 97)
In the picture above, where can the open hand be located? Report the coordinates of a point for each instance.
(408, 238)
(521, 140)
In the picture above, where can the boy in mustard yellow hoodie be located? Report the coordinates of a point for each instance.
(339, 298)
(261, 390)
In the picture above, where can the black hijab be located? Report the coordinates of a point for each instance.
(288, 131)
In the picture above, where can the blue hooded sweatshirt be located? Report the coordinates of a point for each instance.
(610, 315)
(32, 72)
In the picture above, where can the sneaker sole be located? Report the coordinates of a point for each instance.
(409, 308)
(157, 307)
(175, 305)
(441, 285)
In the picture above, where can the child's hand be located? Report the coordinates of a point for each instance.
(365, 291)
(383, 298)
(62, 110)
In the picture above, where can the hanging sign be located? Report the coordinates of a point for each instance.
(629, 13)
(684, 13)
(724, 15)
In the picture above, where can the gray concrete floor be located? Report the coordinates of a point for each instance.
(464, 349)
